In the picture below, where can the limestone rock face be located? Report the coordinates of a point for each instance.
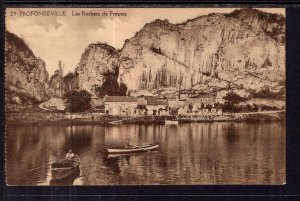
(244, 49)
(61, 84)
(97, 62)
(57, 85)
(25, 74)
(272, 25)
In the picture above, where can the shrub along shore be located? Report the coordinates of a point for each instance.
(47, 118)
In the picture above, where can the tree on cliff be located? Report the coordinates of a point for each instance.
(70, 76)
(111, 87)
(231, 101)
(267, 93)
(78, 101)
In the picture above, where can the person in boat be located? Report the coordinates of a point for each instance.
(128, 159)
(128, 143)
(70, 155)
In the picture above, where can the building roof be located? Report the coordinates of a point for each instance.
(194, 100)
(176, 104)
(200, 98)
(120, 99)
(156, 101)
(197, 101)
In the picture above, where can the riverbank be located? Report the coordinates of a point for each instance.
(45, 118)
(236, 117)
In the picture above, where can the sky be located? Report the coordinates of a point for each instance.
(54, 38)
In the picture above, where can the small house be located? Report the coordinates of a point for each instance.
(155, 106)
(202, 100)
(120, 105)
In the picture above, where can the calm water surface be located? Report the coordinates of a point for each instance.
(196, 153)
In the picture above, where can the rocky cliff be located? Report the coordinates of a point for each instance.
(210, 52)
(57, 85)
(60, 84)
(98, 63)
(26, 77)
(243, 50)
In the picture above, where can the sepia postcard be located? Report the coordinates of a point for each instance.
(145, 96)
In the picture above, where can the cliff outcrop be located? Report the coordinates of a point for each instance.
(26, 77)
(98, 63)
(243, 50)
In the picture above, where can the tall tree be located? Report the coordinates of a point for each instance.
(231, 101)
(78, 101)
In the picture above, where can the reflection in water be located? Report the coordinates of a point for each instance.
(197, 153)
(114, 161)
(68, 180)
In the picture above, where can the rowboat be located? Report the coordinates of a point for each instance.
(68, 180)
(65, 168)
(124, 155)
(133, 149)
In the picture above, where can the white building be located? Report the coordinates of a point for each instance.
(120, 105)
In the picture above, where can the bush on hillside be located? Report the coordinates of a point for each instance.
(231, 102)
(78, 101)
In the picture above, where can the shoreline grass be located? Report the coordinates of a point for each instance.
(60, 119)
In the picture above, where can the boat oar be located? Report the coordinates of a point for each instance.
(38, 167)
(60, 161)
(140, 148)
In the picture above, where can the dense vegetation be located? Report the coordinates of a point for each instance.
(268, 94)
(70, 76)
(231, 102)
(78, 101)
(18, 52)
(111, 87)
(18, 42)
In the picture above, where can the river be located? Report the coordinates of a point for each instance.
(192, 153)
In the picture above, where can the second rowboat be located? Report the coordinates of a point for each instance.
(133, 148)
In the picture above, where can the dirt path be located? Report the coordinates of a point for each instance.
(42, 106)
(53, 103)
